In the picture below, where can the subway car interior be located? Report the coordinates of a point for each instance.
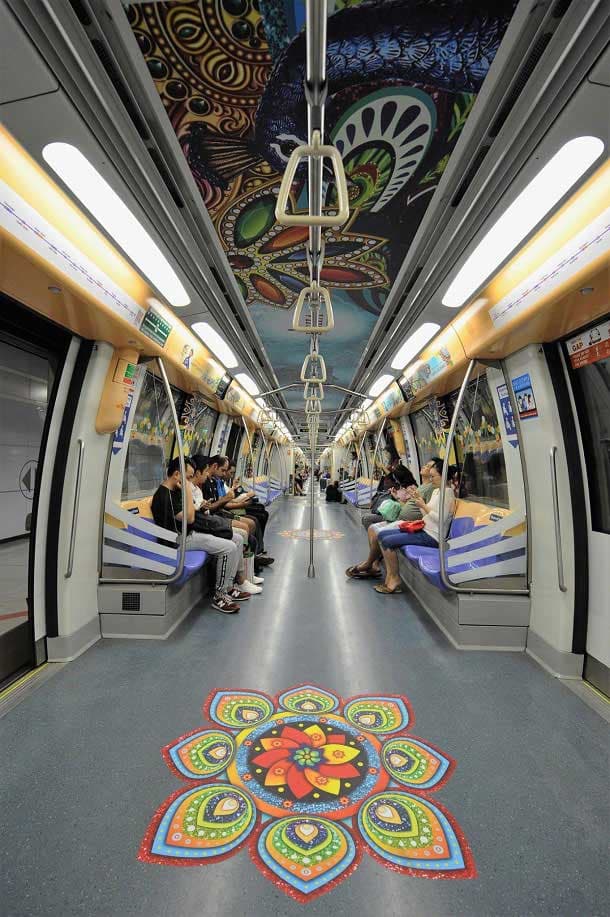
(305, 468)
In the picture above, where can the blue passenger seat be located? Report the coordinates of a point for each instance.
(193, 560)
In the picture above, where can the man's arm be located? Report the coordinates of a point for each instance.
(222, 501)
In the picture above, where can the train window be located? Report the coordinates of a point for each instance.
(478, 445)
(430, 428)
(151, 441)
(590, 372)
(197, 423)
(232, 448)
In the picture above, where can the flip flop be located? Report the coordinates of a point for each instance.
(355, 573)
(383, 590)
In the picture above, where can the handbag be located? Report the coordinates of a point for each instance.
(211, 524)
(417, 525)
(390, 510)
(378, 499)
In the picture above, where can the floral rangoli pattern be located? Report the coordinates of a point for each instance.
(309, 783)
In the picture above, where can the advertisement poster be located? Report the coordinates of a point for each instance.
(590, 346)
(507, 414)
(524, 396)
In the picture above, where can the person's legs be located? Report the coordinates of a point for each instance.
(225, 552)
(370, 519)
(390, 541)
(374, 555)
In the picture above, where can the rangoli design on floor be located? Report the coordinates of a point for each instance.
(318, 534)
(309, 783)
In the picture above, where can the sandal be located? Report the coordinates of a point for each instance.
(383, 590)
(355, 573)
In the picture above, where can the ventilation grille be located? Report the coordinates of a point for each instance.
(470, 174)
(523, 76)
(130, 601)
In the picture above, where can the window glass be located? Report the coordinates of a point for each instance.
(197, 423)
(478, 445)
(431, 428)
(591, 383)
(151, 442)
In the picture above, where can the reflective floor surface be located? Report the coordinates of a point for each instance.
(82, 774)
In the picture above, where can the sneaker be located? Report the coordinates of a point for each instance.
(263, 560)
(237, 595)
(250, 588)
(258, 580)
(221, 602)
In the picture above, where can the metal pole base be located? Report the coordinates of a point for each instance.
(311, 572)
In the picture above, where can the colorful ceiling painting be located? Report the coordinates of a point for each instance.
(402, 79)
(309, 783)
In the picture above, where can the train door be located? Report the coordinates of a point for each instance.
(31, 356)
(587, 356)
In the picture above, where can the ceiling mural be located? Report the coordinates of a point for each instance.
(402, 75)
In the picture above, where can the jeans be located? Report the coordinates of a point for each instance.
(393, 538)
(229, 554)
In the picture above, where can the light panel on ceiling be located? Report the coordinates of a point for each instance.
(545, 190)
(100, 199)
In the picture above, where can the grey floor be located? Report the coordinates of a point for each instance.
(81, 773)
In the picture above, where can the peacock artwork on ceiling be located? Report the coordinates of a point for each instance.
(402, 75)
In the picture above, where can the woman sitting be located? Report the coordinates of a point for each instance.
(391, 539)
(410, 511)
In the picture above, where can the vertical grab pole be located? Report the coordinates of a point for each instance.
(311, 572)
(250, 451)
(377, 441)
(442, 548)
(183, 528)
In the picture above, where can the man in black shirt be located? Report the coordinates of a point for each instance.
(167, 508)
(333, 493)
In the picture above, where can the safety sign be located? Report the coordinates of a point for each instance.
(524, 396)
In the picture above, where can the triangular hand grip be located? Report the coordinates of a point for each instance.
(315, 151)
(313, 390)
(303, 319)
(314, 368)
(313, 406)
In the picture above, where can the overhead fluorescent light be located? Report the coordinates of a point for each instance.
(366, 404)
(106, 206)
(210, 337)
(382, 382)
(248, 383)
(414, 344)
(527, 210)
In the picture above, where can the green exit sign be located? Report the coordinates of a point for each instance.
(155, 327)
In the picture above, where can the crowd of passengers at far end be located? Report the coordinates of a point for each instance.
(223, 518)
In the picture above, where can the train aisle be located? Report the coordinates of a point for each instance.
(82, 772)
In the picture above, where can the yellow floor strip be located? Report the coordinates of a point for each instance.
(21, 681)
(595, 690)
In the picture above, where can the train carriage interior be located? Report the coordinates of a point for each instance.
(305, 466)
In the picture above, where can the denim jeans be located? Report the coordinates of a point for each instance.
(392, 538)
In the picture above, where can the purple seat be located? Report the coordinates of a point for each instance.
(193, 560)
(414, 551)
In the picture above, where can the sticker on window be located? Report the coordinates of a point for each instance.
(524, 396)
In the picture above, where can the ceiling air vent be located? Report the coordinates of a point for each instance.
(470, 174)
(130, 601)
(540, 46)
(81, 12)
(166, 177)
(117, 82)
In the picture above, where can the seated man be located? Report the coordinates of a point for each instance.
(410, 512)
(208, 522)
(391, 539)
(167, 509)
(245, 500)
(333, 493)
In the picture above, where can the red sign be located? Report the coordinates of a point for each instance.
(590, 346)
